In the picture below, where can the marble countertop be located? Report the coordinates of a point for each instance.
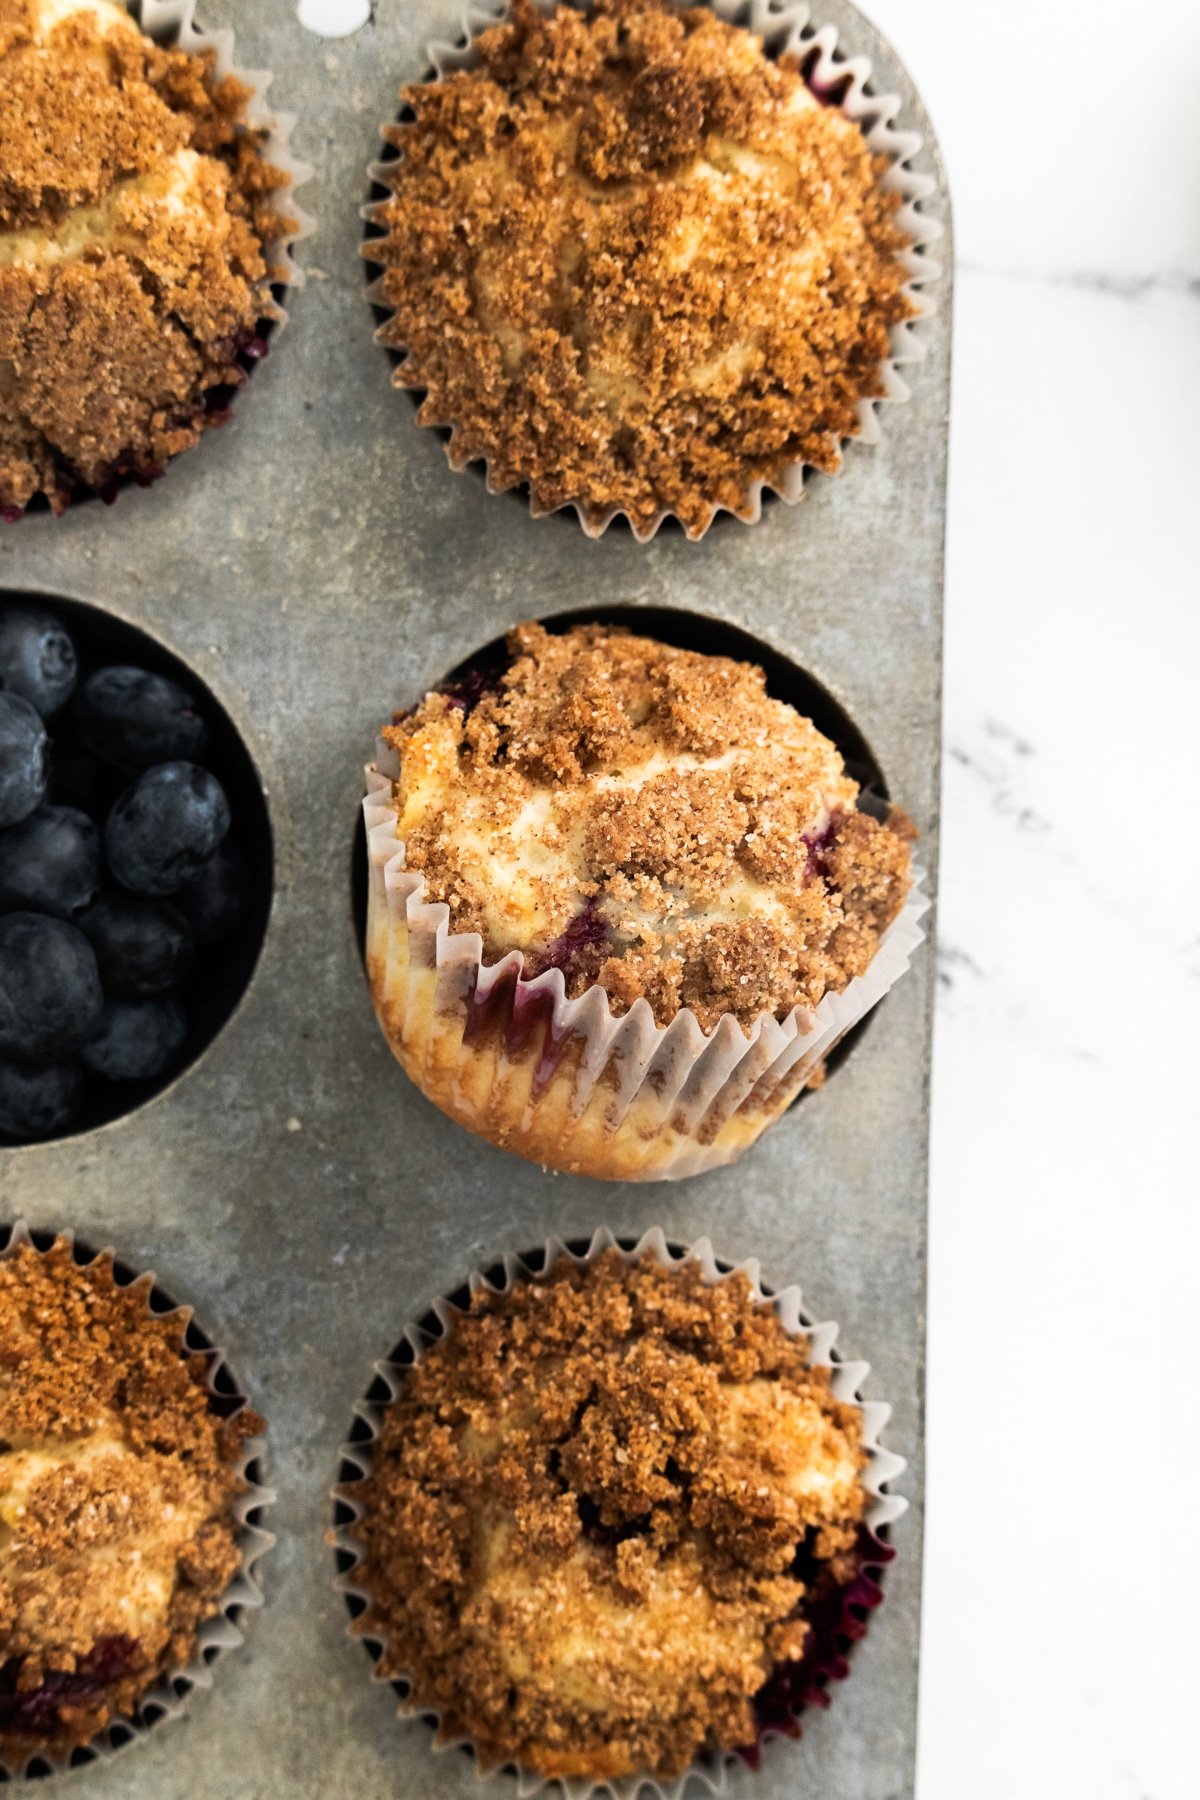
(1066, 1129)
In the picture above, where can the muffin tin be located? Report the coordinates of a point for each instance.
(316, 565)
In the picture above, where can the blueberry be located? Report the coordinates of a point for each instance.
(215, 903)
(50, 996)
(142, 947)
(50, 862)
(36, 1102)
(137, 1039)
(37, 658)
(24, 761)
(135, 719)
(164, 828)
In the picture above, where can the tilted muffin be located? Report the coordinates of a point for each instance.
(118, 1483)
(606, 1516)
(650, 823)
(637, 264)
(134, 209)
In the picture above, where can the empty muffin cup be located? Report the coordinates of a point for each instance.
(179, 289)
(593, 1300)
(41, 1723)
(622, 350)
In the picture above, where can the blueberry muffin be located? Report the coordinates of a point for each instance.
(118, 1484)
(637, 264)
(135, 207)
(606, 1517)
(651, 824)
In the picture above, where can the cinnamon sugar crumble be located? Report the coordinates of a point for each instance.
(117, 1484)
(587, 1510)
(648, 819)
(134, 207)
(635, 263)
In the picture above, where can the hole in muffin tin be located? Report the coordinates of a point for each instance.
(775, 40)
(786, 680)
(222, 972)
(227, 1400)
(532, 1265)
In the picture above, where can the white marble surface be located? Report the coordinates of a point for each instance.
(1059, 1651)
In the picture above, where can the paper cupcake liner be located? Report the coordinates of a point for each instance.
(171, 23)
(829, 74)
(168, 1698)
(564, 1082)
(711, 1774)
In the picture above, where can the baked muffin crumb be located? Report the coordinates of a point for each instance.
(135, 204)
(117, 1487)
(635, 263)
(649, 819)
(596, 1514)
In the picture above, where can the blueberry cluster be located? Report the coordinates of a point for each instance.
(117, 873)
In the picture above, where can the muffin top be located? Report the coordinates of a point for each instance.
(134, 206)
(650, 819)
(117, 1483)
(636, 263)
(596, 1512)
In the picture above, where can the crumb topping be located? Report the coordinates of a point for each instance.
(636, 263)
(647, 818)
(587, 1512)
(117, 1483)
(134, 209)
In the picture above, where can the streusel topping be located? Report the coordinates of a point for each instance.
(586, 1513)
(636, 263)
(650, 819)
(134, 206)
(117, 1483)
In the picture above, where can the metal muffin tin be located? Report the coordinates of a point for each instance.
(317, 564)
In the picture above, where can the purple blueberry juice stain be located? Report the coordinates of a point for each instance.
(490, 1007)
(36, 1713)
(465, 694)
(508, 1003)
(837, 1614)
(586, 931)
(828, 93)
(817, 843)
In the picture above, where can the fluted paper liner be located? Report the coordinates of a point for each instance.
(172, 23)
(564, 1082)
(782, 29)
(883, 1467)
(167, 1699)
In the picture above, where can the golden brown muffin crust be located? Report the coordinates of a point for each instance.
(584, 1513)
(647, 818)
(117, 1484)
(134, 207)
(635, 263)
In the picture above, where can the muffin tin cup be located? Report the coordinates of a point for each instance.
(168, 1698)
(171, 23)
(782, 28)
(883, 1467)
(564, 1082)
